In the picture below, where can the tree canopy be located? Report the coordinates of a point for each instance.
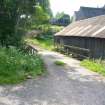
(45, 4)
(14, 15)
(59, 15)
(62, 19)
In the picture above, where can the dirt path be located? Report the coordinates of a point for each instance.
(69, 85)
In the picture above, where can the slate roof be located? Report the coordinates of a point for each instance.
(91, 12)
(91, 27)
(88, 12)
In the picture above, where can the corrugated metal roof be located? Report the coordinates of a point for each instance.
(91, 27)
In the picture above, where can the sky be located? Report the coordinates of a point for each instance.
(69, 6)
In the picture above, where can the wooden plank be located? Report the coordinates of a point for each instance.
(77, 48)
(81, 52)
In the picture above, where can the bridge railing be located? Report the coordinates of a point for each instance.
(30, 49)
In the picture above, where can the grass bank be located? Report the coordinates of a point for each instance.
(43, 43)
(95, 66)
(15, 66)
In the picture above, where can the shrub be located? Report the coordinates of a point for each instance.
(59, 63)
(15, 66)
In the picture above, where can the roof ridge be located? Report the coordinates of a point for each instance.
(90, 18)
(92, 7)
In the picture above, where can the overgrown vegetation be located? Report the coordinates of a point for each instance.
(43, 39)
(16, 17)
(94, 65)
(47, 29)
(43, 43)
(60, 63)
(15, 66)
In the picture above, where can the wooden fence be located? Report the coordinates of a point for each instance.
(74, 51)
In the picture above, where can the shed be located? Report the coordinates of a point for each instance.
(84, 36)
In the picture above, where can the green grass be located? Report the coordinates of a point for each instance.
(43, 43)
(94, 66)
(15, 66)
(47, 28)
(60, 63)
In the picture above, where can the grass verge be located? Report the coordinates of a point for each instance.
(43, 43)
(15, 66)
(60, 63)
(94, 66)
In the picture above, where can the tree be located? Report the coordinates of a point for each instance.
(62, 19)
(40, 17)
(16, 14)
(45, 4)
(11, 21)
(59, 15)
